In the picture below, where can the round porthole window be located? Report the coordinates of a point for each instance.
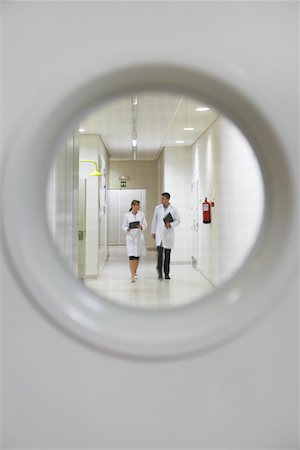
(109, 176)
(112, 155)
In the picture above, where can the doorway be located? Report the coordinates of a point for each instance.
(118, 205)
(195, 224)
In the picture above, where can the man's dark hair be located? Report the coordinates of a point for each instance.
(166, 194)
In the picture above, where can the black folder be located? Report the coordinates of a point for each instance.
(134, 225)
(168, 218)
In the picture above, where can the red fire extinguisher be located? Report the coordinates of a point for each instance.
(206, 211)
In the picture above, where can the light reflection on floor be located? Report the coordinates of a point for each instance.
(186, 283)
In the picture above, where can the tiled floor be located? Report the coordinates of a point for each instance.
(186, 283)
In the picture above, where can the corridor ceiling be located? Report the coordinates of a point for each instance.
(158, 118)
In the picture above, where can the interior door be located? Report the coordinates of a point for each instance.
(82, 229)
(118, 204)
(195, 224)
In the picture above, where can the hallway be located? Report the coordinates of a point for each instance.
(186, 283)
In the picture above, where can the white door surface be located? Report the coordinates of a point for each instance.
(62, 386)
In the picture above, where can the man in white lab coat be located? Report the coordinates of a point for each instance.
(165, 219)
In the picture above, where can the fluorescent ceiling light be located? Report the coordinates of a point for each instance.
(134, 142)
(81, 130)
(202, 108)
(179, 142)
(134, 100)
(189, 129)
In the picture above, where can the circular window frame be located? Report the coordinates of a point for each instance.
(109, 326)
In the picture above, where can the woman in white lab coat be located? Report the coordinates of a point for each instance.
(134, 224)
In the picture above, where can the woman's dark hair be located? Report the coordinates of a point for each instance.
(134, 202)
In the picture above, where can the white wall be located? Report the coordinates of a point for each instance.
(241, 194)
(92, 148)
(59, 394)
(62, 202)
(177, 169)
(206, 175)
(227, 172)
(225, 169)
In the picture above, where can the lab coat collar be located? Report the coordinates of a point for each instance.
(162, 206)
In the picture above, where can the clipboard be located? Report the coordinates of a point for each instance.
(168, 218)
(133, 225)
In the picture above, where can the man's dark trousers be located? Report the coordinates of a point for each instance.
(163, 258)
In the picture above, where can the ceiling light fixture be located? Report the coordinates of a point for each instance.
(81, 130)
(134, 107)
(189, 129)
(179, 142)
(134, 99)
(202, 108)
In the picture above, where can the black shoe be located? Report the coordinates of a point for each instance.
(167, 277)
(159, 273)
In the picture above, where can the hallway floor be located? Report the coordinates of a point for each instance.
(114, 283)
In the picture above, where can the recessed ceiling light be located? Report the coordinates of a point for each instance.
(179, 142)
(81, 130)
(202, 108)
(189, 129)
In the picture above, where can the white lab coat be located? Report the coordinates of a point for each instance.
(135, 241)
(164, 236)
